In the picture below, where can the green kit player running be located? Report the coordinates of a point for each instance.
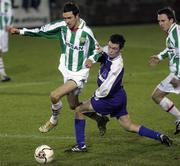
(78, 53)
(171, 84)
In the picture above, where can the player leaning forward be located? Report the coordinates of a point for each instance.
(110, 97)
(78, 53)
(171, 84)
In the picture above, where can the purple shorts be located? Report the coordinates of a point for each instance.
(114, 106)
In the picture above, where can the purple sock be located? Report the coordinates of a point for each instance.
(80, 131)
(143, 131)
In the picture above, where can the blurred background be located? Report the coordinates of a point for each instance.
(31, 13)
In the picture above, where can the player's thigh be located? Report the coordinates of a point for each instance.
(64, 89)
(158, 95)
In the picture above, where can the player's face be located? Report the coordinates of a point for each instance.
(164, 22)
(113, 49)
(71, 20)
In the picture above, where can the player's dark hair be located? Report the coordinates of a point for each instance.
(118, 39)
(169, 12)
(71, 7)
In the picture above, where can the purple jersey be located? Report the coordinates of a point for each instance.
(110, 97)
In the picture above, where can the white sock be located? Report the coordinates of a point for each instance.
(55, 112)
(2, 70)
(169, 106)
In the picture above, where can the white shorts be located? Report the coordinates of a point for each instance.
(80, 77)
(3, 41)
(166, 86)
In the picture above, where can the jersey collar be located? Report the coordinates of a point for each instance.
(171, 27)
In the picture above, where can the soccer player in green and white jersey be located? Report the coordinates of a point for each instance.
(6, 18)
(78, 53)
(171, 84)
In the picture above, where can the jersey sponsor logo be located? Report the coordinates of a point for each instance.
(74, 47)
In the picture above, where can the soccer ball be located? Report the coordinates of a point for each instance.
(44, 154)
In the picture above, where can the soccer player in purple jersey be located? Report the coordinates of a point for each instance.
(110, 97)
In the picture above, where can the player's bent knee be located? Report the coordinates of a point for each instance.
(73, 106)
(54, 99)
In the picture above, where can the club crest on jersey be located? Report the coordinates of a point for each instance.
(82, 40)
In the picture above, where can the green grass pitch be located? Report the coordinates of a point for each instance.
(24, 105)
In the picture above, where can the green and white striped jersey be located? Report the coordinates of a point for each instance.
(172, 50)
(5, 14)
(76, 46)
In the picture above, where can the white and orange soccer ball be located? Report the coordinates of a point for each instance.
(44, 154)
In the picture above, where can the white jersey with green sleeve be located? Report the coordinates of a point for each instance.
(77, 46)
(5, 14)
(172, 50)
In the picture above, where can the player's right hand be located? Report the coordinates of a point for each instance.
(13, 30)
(154, 60)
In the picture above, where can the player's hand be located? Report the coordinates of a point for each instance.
(7, 28)
(175, 82)
(99, 49)
(13, 30)
(154, 60)
(88, 63)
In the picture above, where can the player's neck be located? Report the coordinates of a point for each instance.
(75, 27)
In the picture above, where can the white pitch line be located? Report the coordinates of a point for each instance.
(16, 85)
(67, 138)
(21, 136)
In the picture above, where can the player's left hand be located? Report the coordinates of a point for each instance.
(88, 63)
(175, 82)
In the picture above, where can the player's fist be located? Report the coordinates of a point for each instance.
(154, 60)
(88, 63)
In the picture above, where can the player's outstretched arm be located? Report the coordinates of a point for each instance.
(154, 60)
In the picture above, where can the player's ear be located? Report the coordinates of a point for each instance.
(171, 20)
(77, 15)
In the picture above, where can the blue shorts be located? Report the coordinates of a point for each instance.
(114, 106)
